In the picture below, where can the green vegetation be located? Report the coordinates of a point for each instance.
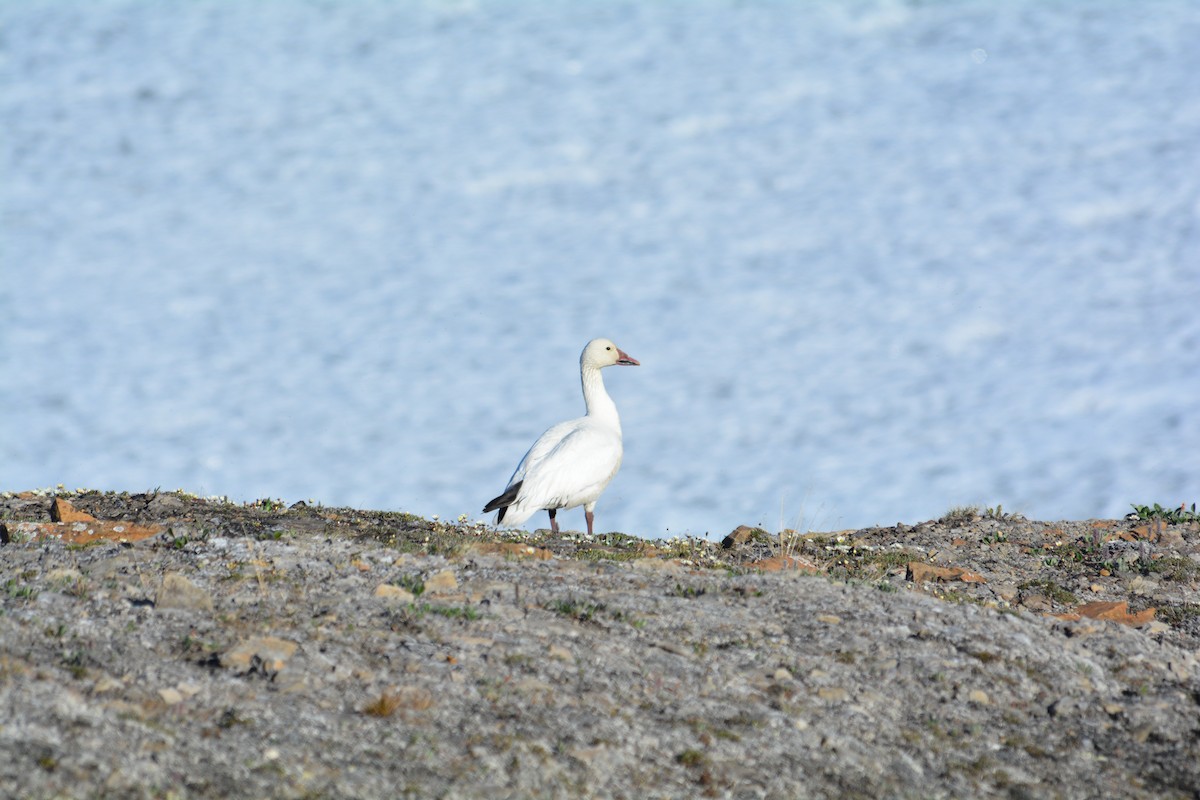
(864, 563)
(581, 610)
(1171, 515)
(602, 554)
(960, 515)
(469, 613)
(1170, 568)
(1179, 614)
(410, 614)
(1051, 590)
(691, 758)
(19, 590)
(412, 583)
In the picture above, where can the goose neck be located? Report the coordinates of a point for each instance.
(599, 405)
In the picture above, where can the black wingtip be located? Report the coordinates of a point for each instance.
(504, 501)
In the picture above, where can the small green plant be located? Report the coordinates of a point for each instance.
(1171, 568)
(76, 663)
(599, 554)
(1171, 515)
(413, 583)
(267, 504)
(581, 610)
(1180, 614)
(688, 592)
(1051, 590)
(997, 513)
(621, 616)
(468, 613)
(19, 590)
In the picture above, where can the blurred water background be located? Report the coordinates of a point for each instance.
(877, 258)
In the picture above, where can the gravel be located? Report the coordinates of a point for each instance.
(259, 650)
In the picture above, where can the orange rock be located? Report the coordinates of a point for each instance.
(740, 535)
(441, 582)
(267, 653)
(785, 564)
(1116, 611)
(79, 532)
(958, 542)
(62, 511)
(1152, 532)
(920, 572)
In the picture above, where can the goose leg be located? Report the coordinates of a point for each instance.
(589, 516)
(553, 521)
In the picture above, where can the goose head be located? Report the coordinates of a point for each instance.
(601, 353)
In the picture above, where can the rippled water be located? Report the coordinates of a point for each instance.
(877, 258)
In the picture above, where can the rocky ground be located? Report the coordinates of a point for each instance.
(164, 645)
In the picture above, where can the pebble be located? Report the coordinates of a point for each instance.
(177, 591)
(395, 593)
(441, 582)
(733, 692)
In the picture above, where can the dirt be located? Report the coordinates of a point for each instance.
(302, 651)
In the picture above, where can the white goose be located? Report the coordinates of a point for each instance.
(570, 464)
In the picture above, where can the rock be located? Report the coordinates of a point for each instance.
(561, 653)
(176, 591)
(740, 535)
(260, 653)
(62, 511)
(165, 505)
(78, 532)
(63, 575)
(1005, 591)
(441, 582)
(1116, 611)
(170, 696)
(667, 565)
(1172, 539)
(1142, 586)
(1036, 602)
(920, 572)
(797, 564)
(512, 550)
(189, 689)
(391, 592)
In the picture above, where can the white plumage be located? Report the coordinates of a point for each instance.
(570, 464)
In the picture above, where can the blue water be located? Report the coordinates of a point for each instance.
(877, 258)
